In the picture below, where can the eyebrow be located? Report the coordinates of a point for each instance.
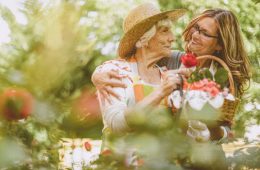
(203, 29)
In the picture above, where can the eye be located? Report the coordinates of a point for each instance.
(204, 33)
(165, 29)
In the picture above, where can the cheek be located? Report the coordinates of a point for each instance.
(159, 42)
(162, 38)
(209, 45)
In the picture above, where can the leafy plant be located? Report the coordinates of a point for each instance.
(220, 77)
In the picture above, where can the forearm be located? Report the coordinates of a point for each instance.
(153, 99)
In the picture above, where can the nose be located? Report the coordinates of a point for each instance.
(195, 34)
(171, 37)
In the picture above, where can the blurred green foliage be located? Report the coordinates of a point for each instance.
(54, 53)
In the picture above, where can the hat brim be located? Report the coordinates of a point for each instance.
(128, 41)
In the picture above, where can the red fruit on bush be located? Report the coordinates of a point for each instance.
(88, 146)
(87, 107)
(16, 103)
(106, 152)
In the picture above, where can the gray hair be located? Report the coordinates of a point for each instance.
(143, 41)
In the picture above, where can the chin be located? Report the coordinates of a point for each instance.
(194, 50)
(167, 54)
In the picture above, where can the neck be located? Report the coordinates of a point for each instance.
(146, 58)
(145, 67)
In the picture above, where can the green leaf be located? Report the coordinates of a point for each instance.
(189, 80)
(207, 74)
(221, 77)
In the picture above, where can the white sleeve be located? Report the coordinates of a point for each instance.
(98, 69)
(114, 113)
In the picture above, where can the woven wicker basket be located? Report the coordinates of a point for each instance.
(208, 114)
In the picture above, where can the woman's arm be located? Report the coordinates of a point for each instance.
(170, 80)
(105, 80)
(113, 106)
(116, 112)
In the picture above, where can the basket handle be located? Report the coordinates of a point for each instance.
(224, 65)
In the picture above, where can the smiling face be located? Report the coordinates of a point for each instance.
(160, 44)
(204, 37)
(223, 24)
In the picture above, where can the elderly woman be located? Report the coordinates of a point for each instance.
(147, 39)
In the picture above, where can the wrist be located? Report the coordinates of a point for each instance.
(160, 94)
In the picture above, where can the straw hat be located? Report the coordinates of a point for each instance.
(140, 20)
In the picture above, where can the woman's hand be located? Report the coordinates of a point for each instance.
(198, 131)
(105, 81)
(170, 82)
(185, 71)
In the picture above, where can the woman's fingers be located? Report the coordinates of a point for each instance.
(114, 79)
(115, 74)
(116, 83)
(109, 78)
(105, 82)
(110, 91)
(170, 83)
(174, 79)
(171, 72)
(106, 91)
(185, 71)
(105, 95)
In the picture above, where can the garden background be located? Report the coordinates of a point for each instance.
(49, 49)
